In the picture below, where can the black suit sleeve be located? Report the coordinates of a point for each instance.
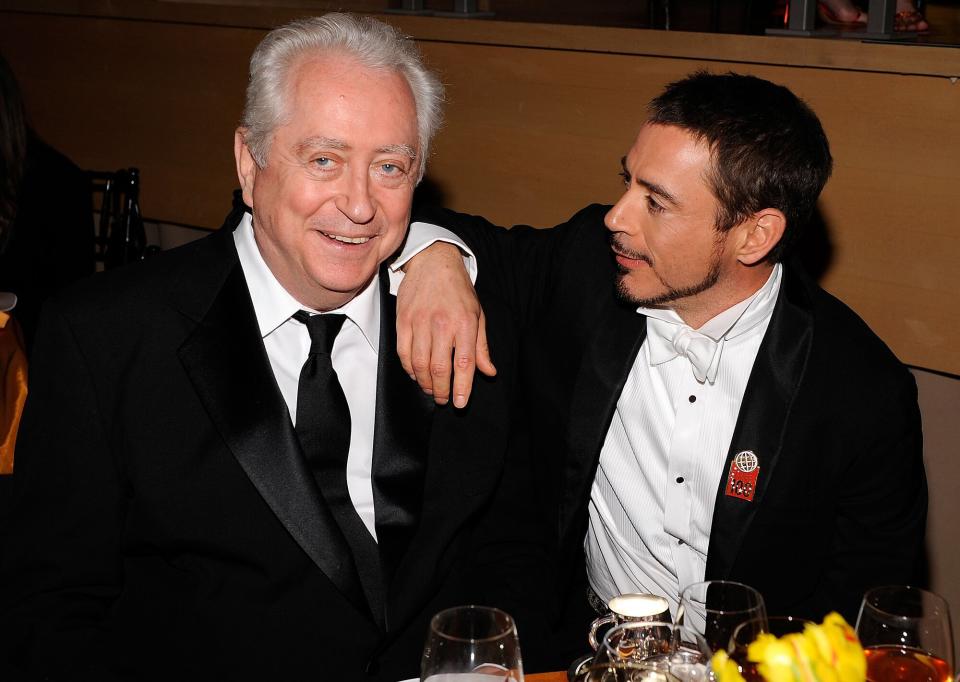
(513, 559)
(522, 264)
(61, 566)
(881, 515)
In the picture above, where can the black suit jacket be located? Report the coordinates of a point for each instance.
(831, 414)
(166, 524)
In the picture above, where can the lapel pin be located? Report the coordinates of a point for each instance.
(742, 479)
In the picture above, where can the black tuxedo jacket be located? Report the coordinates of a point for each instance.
(830, 413)
(166, 525)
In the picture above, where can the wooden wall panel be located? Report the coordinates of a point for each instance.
(164, 97)
(534, 133)
(533, 143)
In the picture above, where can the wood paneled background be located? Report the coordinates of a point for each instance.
(537, 119)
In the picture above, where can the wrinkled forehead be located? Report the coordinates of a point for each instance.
(353, 105)
(335, 74)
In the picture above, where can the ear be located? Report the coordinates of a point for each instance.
(760, 233)
(247, 168)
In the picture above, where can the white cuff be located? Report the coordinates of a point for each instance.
(420, 237)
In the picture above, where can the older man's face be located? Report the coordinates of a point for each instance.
(333, 200)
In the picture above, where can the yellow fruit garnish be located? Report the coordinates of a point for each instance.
(829, 652)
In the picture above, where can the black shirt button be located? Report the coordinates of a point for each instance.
(679, 479)
(692, 399)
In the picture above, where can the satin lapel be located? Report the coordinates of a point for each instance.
(400, 443)
(228, 366)
(607, 360)
(764, 414)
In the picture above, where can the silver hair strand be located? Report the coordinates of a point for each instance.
(371, 42)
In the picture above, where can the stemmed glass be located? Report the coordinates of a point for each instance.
(906, 634)
(472, 644)
(715, 608)
(748, 631)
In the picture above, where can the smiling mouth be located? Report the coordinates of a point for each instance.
(346, 240)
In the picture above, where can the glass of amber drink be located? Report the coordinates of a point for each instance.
(906, 634)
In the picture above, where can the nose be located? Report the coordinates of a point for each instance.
(355, 200)
(615, 219)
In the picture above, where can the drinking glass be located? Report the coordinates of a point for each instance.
(653, 652)
(715, 608)
(625, 608)
(748, 631)
(906, 634)
(472, 644)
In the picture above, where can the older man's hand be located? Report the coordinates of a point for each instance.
(441, 330)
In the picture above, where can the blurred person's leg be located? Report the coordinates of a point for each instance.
(908, 17)
(840, 12)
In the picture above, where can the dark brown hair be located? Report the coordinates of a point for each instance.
(768, 147)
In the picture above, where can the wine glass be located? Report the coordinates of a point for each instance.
(906, 634)
(748, 631)
(472, 644)
(715, 608)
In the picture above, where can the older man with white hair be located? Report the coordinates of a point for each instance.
(223, 470)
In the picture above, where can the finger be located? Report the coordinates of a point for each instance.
(441, 363)
(420, 360)
(464, 365)
(484, 361)
(404, 343)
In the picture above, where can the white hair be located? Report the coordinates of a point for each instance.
(371, 42)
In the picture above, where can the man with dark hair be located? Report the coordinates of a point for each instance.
(715, 414)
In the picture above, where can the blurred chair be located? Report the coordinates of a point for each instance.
(120, 237)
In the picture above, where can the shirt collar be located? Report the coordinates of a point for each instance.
(736, 319)
(273, 305)
(663, 324)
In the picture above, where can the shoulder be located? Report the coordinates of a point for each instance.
(145, 285)
(843, 341)
(44, 162)
(587, 225)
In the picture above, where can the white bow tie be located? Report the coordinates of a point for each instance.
(702, 351)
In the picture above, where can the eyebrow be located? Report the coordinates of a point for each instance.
(404, 149)
(321, 142)
(652, 187)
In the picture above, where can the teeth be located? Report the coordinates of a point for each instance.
(348, 240)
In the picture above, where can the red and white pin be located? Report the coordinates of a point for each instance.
(742, 480)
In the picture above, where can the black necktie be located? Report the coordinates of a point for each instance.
(323, 425)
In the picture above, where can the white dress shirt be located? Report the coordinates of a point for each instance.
(652, 500)
(355, 350)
